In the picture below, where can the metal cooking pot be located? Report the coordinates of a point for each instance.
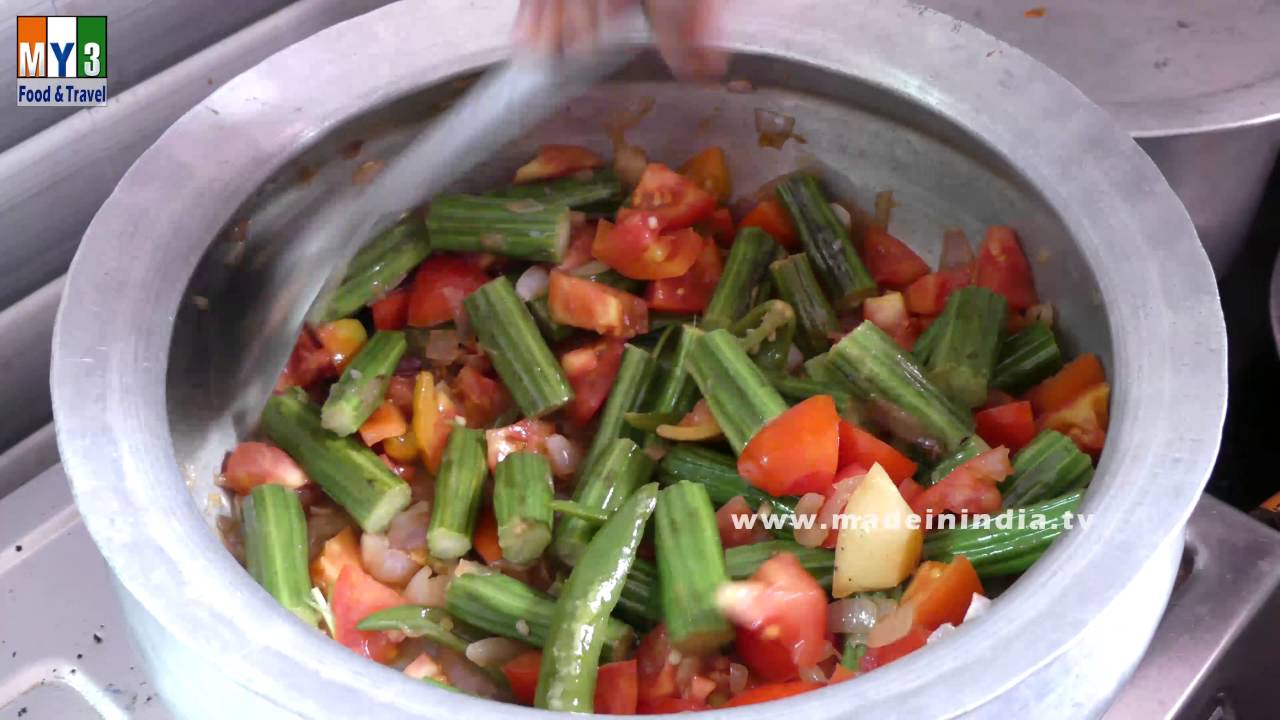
(964, 129)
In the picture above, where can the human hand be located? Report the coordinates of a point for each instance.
(680, 26)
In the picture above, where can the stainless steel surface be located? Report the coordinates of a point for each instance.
(1196, 659)
(506, 103)
(26, 333)
(1198, 85)
(52, 184)
(906, 107)
(1275, 302)
(27, 458)
(1219, 642)
(65, 650)
(143, 38)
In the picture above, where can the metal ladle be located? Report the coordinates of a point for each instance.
(504, 104)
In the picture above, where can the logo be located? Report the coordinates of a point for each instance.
(62, 60)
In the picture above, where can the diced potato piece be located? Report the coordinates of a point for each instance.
(880, 538)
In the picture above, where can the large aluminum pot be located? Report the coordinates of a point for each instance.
(966, 130)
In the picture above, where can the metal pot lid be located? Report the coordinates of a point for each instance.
(1162, 67)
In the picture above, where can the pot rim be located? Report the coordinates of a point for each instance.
(108, 379)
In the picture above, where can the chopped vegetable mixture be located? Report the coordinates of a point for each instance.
(596, 448)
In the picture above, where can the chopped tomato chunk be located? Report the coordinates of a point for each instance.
(1003, 267)
(637, 248)
(522, 675)
(555, 161)
(928, 295)
(483, 398)
(591, 370)
(392, 311)
(796, 452)
(1012, 425)
(859, 447)
(711, 172)
(690, 292)
(890, 261)
(1084, 419)
(485, 539)
(338, 552)
(617, 688)
(735, 533)
(719, 227)
(969, 489)
(656, 672)
(527, 435)
(781, 617)
(909, 643)
(595, 306)
(772, 217)
(1067, 384)
(581, 237)
(439, 287)
(672, 200)
(255, 463)
(309, 363)
(771, 691)
(356, 596)
(386, 422)
(941, 592)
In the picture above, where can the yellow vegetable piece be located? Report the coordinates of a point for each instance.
(880, 539)
(343, 339)
(425, 413)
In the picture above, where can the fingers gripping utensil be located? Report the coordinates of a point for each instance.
(506, 103)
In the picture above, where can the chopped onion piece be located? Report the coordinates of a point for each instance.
(424, 666)
(795, 358)
(811, 536)
(741, 87)
(852, 615)
(408, 529)
(494, 651)
(737, 678)
(532, 283)
(774, 128)
(629, 163)
(464, 675)
(525, 205)
(813, 673)
(1041, 313)
(443, 346)
(842, 214)
(385, 563)
(884, 209)
(426, 589)
(563, 455)
(891, 627)
(956, 251)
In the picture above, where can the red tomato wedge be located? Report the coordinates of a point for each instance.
(734, 533)
(771, 691)
(595, 306)
(527, 435)
(772, 217)
(969, 489)
(690, 292)
(719, 227)
(857, 446)
(639, 250)
(392, 311)
(1067, 384)
(941, 592)
(617, 688)
(909, 643)
(909, 489)
(400, 392)
(356, 596)
(522, 675)
(928, 295)
(1084, 419)
(1012, 425)
(254, 463)
(309, 363)
(796, 452)
(485, 537)
(483, 398)
(671, 199)
(591, 370)
(554, 161)
(656, 672)
(711, 172)
(890, 261)
(386, 422)
(439, 287)
(578, 253)
(1003, 267)
(781, 617)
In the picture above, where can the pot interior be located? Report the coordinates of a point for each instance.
(861, 138)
